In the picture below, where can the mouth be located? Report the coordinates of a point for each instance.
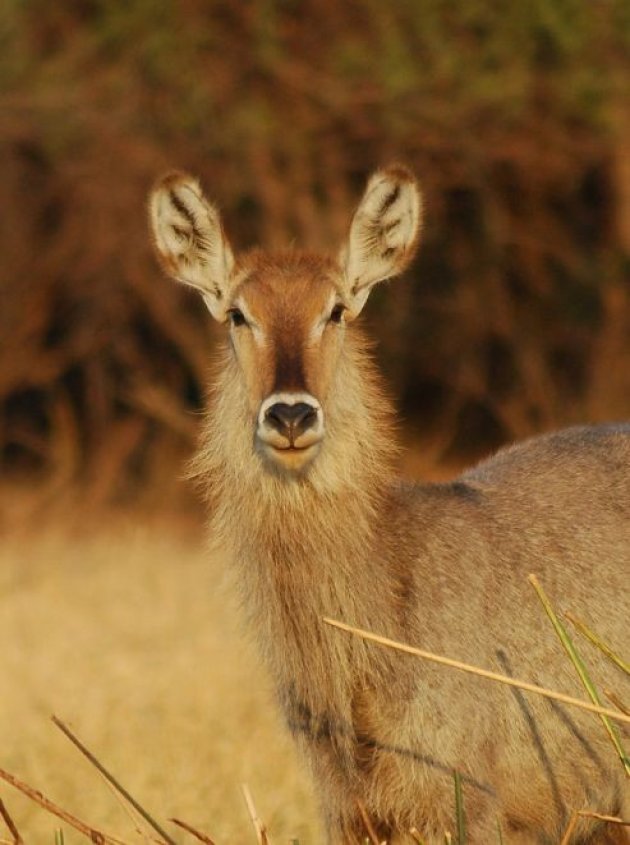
(289, 456)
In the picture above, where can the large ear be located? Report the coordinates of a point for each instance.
(189, 239)
(383, 235)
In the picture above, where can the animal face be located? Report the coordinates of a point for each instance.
(287, 319)
(286, 312)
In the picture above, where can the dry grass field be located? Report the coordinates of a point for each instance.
(129, 635)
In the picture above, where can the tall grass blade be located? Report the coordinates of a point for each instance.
(589, 686)
(459, 809)
(475, 670)
(371, 838)
(17, 839)
(259, 826)
(35, 795)
(106, 774)
(202, 837)
(576, 815)
(499, 833)
(597, 641)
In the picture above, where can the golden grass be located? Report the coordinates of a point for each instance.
(129, 637)
(129, 634)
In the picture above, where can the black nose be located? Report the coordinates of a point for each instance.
(291, 420)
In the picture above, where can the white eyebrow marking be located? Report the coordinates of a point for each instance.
(257, 332)
(318, 327)
(240, 304)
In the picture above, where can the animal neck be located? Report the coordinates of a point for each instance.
(304, 547)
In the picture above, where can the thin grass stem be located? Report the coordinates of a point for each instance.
(459, 809)
(576, 815)
(17, 839)
(91, 833)
(367, 823)
(202, 837)
(597, 641)
(108, 776)
(499, 833)
(259, 827)
(582, 671)
(474, 670)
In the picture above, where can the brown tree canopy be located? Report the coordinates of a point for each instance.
(516, 316)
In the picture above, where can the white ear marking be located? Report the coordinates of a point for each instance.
(189, 239)
(383, 234)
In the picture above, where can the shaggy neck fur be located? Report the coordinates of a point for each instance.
(305, 547)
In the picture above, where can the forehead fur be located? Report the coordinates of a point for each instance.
(285, 279)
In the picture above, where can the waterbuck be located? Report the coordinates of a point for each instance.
(298, 459)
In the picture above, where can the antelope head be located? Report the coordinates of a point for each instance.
(287, 312)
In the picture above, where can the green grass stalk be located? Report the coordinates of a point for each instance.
(597, 641)
(577, 661)
(499, 833)
(459, 809)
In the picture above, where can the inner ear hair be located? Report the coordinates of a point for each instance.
(189, 238)
(384, 233)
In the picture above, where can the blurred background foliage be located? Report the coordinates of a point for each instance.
(516, 117)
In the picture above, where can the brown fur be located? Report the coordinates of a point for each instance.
(441, 566)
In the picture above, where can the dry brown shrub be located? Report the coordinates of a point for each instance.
(516, 317)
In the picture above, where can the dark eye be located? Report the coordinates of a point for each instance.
(237, 317)
(337, 313)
